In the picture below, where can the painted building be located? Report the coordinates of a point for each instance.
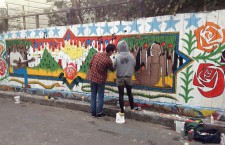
(180, 61)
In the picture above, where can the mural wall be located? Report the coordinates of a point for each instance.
(180, 61)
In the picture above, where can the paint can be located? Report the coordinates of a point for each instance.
(46, 98)
(179, 125)
(120, 118)
(17, 99)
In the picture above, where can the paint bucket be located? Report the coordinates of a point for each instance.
(46, 98)
(120, 118)
(17, 99)
(179, 125)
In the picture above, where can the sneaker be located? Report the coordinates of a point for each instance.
(137, 108)
(101, 115)
(93, 115)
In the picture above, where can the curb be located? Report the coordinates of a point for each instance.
(145, 116)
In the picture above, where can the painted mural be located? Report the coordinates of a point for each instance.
(179, 61)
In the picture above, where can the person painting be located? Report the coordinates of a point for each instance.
(19, 64)
(124, 65)
(99, 66)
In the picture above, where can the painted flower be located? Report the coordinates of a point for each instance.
(2, 67)
(210, 80)
(70, 71)
(145, 45)
(170, 46)
(209, 36)
(163, 43)
(1, 48)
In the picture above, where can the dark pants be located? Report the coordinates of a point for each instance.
(97, 91)
(130, 96)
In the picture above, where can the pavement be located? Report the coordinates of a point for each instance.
(166, 120)
(33, 124)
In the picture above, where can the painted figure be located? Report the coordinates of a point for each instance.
(152, 66)
(19, 64)
(99, 66)
(124, 65)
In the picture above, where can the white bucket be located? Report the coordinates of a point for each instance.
(17, 99)
(179, 125)
(120, 118)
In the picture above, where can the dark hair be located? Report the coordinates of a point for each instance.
(157, 43)
(110, 47)
(142, 64)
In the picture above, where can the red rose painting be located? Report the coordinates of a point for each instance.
(210, 80)
(2, 67)
(70, 71)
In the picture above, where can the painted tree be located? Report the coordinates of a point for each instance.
(48, 62)
(85, 66)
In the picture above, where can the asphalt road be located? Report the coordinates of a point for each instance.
(33, 124)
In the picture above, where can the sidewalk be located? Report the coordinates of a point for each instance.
(144, 115)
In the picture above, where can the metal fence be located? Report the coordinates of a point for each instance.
(118, 10)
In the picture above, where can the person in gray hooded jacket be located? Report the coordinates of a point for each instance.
(124, 64)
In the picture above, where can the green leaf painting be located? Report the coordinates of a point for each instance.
(213, 56)
(9, 43)
(168, 39)
(190, 42)
(186, 88)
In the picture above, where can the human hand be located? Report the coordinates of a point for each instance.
(32, 59)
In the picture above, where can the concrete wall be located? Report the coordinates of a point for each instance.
(184, 75)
